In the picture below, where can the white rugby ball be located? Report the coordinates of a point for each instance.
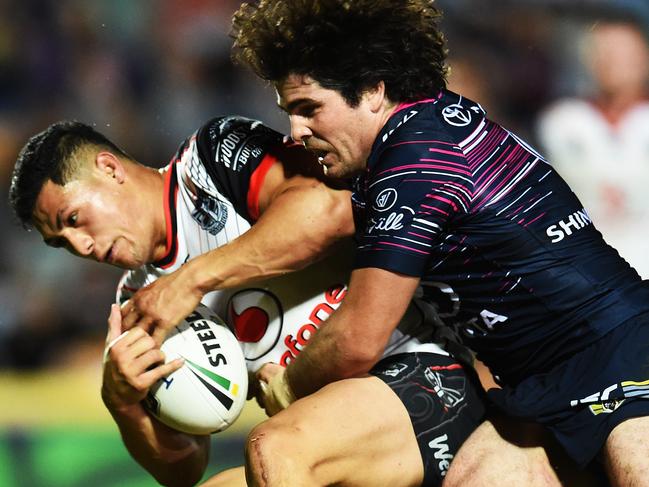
(208, 392)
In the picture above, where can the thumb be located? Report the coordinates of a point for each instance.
(114, 323)
(114, 330)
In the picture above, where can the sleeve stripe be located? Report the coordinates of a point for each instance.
(256, 181)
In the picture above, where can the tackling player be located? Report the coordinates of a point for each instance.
(235, 205)
(447, 198)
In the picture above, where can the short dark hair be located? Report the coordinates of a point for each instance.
(345, 45)
(48, 155)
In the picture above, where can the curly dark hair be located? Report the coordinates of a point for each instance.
(345, 45)
(49, 155)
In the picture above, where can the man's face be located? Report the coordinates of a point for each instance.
(92, 218)
(339, 134)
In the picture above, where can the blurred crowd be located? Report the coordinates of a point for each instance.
(570, 76)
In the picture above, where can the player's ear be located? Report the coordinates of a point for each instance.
(109, 164)
(375, 96)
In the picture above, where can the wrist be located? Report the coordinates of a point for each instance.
(198, 276)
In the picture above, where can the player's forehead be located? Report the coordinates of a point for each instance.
(298, 89)
(48, 204)
(53, 201)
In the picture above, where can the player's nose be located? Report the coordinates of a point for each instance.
(300, 131)
(80, 242)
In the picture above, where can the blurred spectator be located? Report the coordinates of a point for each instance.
(599, 141)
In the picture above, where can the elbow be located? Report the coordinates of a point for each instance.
(358, 354)
(186, 472)
(340, 215)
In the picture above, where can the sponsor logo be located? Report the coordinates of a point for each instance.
(210, 214)
(602, 402)
(386, 199)
(394, 370)
(484, 323)
(457, 115)
(206, 336)
(405, 118)
(441, 453)
(257, 318)
(386, 224)
(605, 407)
(566, 227)
(203, 374)
(450, 394)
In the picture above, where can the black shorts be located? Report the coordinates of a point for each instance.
(444, 401)
(582, 399)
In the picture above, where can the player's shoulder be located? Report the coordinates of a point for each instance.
(232, 141)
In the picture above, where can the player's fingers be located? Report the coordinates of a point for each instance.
(129, 318)
(149, 359)
(141, 345)
(159, 334)
(157, 373)
(268, 371)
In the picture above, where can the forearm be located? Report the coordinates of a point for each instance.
(173, 458)
(299, 227)
(354, 337)
(334, 353)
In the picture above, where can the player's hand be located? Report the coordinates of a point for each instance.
(161, 305)
(132, 364)
(275, 392)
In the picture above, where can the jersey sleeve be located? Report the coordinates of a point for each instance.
(234, 154)
(131, 281)
(416, 191)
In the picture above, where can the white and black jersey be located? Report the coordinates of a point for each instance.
(212, 189)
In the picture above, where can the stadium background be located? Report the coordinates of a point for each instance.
(146, 73)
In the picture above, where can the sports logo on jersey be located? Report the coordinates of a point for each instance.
(450, 390)
(210, 213)
(394, 370)
(386, 199)
(240, 139)
(602, 402)
(457, 115)
(606, 407)
(256, 318)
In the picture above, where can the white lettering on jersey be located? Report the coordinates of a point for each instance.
(405, 118)
(440, 445)
(566, 227)
(386, 224)
(490, 319)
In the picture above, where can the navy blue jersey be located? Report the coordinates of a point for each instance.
(497, 237)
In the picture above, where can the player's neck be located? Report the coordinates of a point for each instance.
(152, 196)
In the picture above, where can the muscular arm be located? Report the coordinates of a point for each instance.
(356, 334)
(301, 218)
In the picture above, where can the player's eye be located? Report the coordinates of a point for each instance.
(306, 111)
(72, 219)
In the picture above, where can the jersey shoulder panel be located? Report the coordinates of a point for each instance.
(225, 154)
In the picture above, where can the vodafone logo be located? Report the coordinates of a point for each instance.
(256, 317)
